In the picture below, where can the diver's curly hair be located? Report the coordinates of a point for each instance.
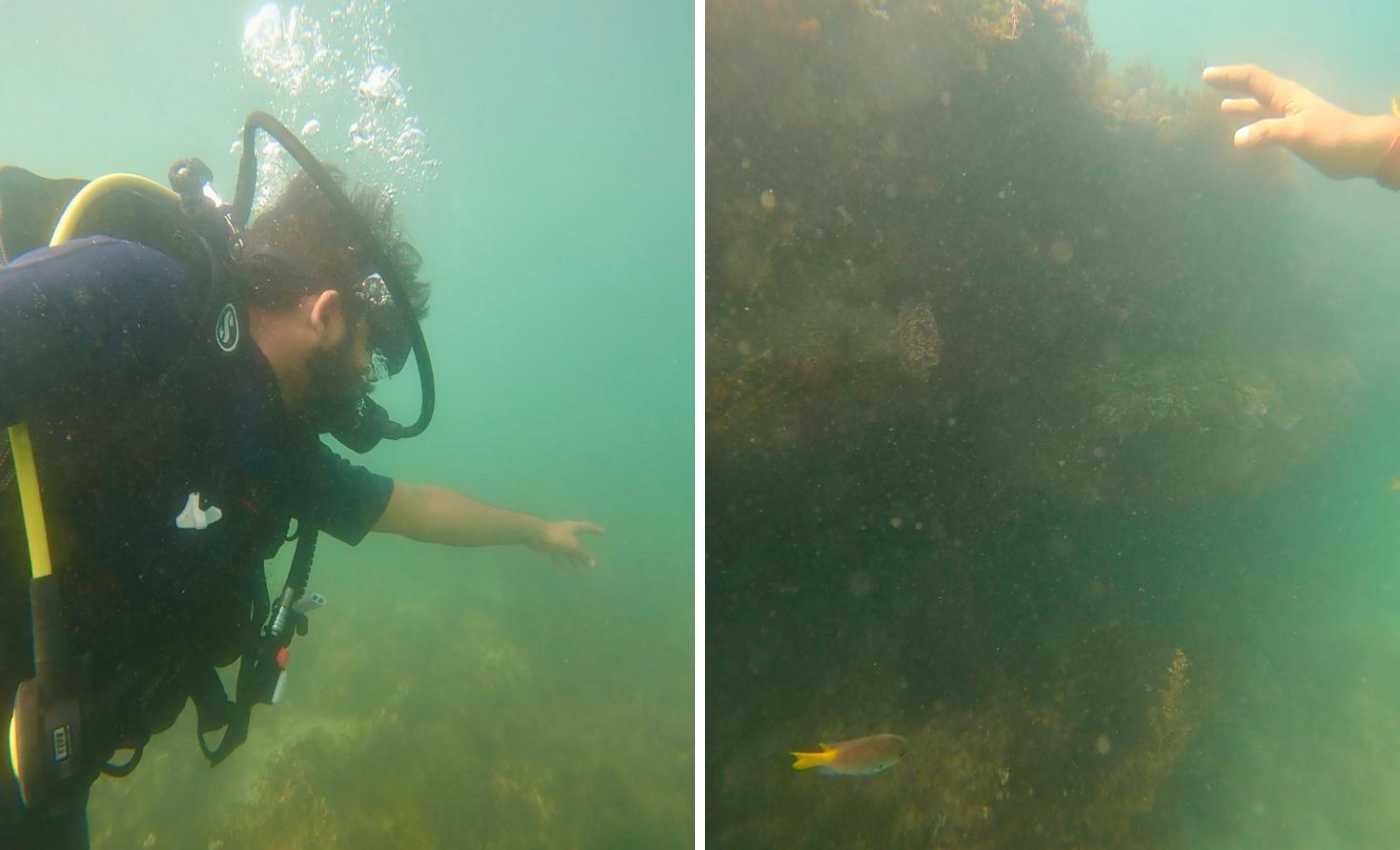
(301, 244)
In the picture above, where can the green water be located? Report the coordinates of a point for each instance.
(450, 698)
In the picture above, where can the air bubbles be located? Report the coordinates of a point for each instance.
(332, 75)
(360, 137)
(286, 51)
(264, 27)
(380, 87)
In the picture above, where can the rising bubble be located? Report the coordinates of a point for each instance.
(334, 73)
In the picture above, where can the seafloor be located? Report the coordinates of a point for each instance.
(446, 700)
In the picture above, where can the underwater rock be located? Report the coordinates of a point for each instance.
(1061, 251)
(918, 339)
(1003, 281)
(1093, 356)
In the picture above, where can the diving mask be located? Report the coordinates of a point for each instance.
(389, 340)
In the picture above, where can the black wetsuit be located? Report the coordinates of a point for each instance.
(130, 416)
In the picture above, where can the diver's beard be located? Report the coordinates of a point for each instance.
(334, 391)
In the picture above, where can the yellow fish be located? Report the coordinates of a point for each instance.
(1395, 485)
(856, 757)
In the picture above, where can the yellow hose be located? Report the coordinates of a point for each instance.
(67, 226)
(35, 529)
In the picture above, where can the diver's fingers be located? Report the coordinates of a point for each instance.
(1269, 131)
(1241, 106)
(1227, 76)
(587, 527)
(1246, 78)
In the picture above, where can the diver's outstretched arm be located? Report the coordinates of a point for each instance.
(436, 514)
(1338, 143)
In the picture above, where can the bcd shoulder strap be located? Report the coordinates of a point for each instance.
(30, 206)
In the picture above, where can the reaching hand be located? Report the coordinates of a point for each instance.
(560, 541)
(1336, 142)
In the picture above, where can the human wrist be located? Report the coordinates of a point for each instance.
(534, 530)
(1374, 139)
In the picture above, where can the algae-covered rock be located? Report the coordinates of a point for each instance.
(1006, 317)
(1007, 234)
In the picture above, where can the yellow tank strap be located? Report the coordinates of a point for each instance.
(35, 531)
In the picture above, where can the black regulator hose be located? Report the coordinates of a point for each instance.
(242, 210)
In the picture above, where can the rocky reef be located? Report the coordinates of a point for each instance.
(1104, 313)
(991, 331)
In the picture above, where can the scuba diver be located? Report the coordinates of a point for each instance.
(166, 373)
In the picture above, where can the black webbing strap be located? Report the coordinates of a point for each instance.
(258, 671)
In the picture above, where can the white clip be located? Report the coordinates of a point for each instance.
(196, 518)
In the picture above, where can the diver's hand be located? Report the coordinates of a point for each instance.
(560, 541)
(1338, 143)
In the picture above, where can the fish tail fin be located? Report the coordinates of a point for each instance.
(809, 760)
